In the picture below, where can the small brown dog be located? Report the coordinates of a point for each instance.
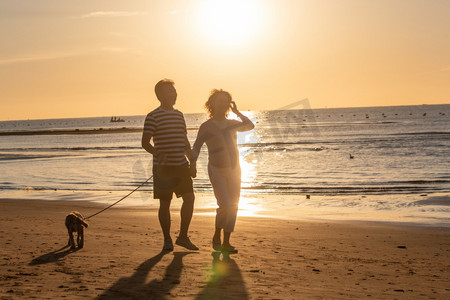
(75, 223)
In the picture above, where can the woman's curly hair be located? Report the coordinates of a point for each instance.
(209, 105)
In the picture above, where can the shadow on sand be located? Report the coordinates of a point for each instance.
(225, 281)
(135, 286)
(53, 256)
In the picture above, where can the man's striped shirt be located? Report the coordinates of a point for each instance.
(168, 130)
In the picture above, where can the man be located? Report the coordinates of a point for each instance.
(171, 172)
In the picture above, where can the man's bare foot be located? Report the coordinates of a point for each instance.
(186, 243)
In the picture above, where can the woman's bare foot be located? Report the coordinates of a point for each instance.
(227, 248)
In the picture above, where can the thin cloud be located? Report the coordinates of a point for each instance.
(62, 55)
(119, 50)
(101, 14)
(35, 58)
(445, 69)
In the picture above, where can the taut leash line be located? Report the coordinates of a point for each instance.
(120, 199)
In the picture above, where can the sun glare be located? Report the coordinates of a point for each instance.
(230, 22)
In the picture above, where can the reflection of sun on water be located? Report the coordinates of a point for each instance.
(248, 169)
(248, 205)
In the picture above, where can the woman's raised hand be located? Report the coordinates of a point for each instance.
(234, 107)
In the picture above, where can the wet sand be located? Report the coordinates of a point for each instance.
(277, 259)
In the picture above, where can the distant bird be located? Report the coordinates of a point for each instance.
(351, 156)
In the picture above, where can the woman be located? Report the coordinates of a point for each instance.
(220, 136)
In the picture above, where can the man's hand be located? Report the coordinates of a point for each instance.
(193, 170)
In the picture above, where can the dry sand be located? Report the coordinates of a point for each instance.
(277, 259)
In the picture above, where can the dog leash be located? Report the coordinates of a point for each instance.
(120, 199)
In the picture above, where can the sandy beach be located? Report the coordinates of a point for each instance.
(277, 259)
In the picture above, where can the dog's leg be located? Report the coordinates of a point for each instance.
(71, 240)
(81, 237)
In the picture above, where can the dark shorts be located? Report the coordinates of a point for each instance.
(171, 179)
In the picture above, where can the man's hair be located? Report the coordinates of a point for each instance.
(159, 87)
(209, 105)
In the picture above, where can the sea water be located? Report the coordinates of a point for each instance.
(368, 163)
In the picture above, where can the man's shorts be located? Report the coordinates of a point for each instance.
(171, 179)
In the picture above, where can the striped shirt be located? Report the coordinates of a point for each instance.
(168, 130)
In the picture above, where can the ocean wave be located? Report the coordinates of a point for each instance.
(67, 153)
(305, 124)
(343, 190)
(32, 188)
(12, 157)
(423, 133)
(268, 188)
(70, 148)
(258, 145)
(65, 131)
(426, 181)
(286, 149)
(112, 148)
(269, 144)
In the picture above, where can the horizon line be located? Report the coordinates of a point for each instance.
(244, 110)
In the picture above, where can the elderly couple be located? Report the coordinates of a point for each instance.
(173, 173)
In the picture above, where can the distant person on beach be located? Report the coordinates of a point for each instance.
(171, 171)
(220, 136)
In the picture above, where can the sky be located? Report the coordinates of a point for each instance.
(65, 58)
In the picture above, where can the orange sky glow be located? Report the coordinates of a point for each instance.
(61, 58)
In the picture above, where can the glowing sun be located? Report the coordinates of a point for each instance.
(230, 22)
